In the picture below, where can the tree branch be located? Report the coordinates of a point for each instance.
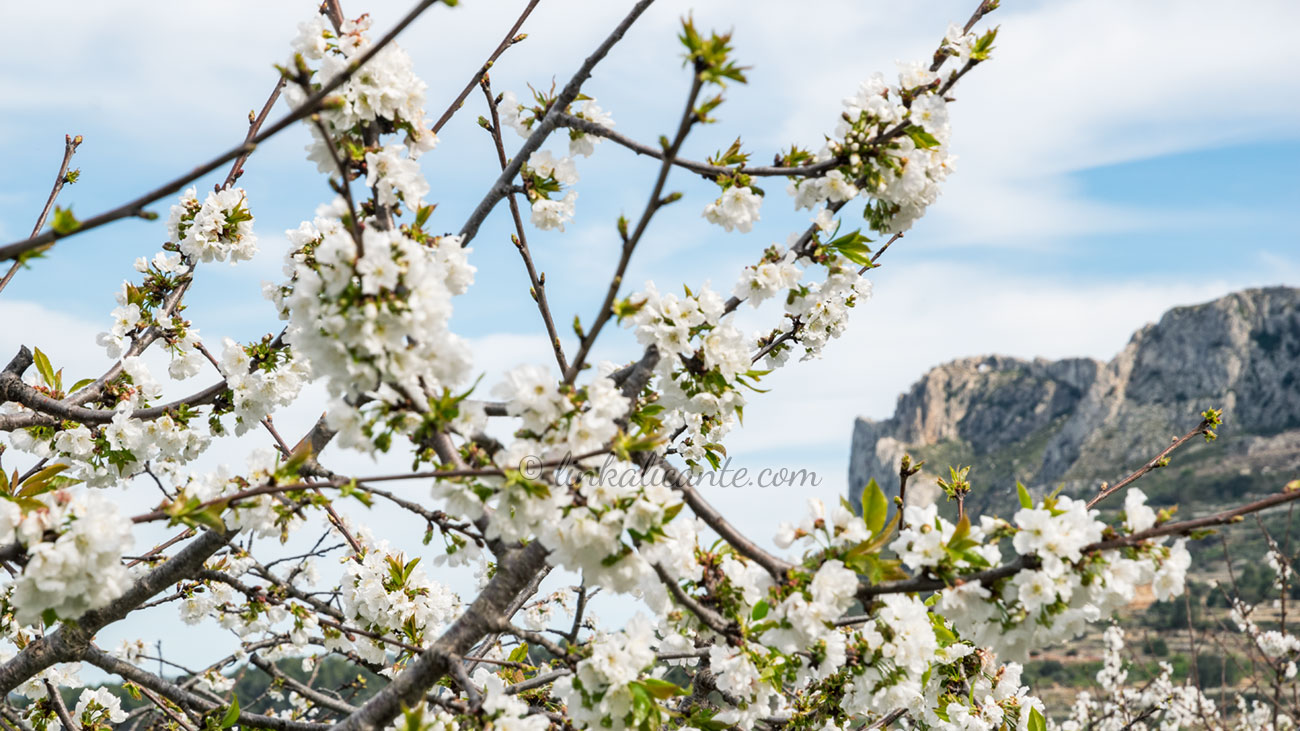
(70, 640)
(521, 241)
(60, 708)
(510, 39)
(1160, 460)
(185, 698)
(570, 92)
(652, 206)
(514, 573)
(135, 207)
(811, 170)
(70, 145)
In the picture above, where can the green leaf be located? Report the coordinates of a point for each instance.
(1025, 500)
(209, 516)
(614, 558)
(859, 254)
(974, 559)
(1036, 720)
(875, 509)
(296, 460)
(941, 631)
(232, 713)
(671, 511)
(81, 384)
(64, 222)
(661, 689)
(642, 703)
(43, 367)
(923, 139)
(878, 542)
(422, 215)
(760, 610)
(520, 653)
(702, 718)
(961, 531)
(853, 246)
(40, 482)
(984, 46)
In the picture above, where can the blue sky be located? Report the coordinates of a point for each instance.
(1115, 159)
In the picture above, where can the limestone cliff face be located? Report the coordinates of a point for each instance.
(1079, 421)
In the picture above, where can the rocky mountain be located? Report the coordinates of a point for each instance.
(1079, 421)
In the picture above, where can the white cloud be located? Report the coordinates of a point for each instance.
(67, 340)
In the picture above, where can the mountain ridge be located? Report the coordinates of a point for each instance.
(1079, 421)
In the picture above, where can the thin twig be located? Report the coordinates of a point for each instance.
(70, 145)
(1160, 460)
(538, 291)
(567, 95)
(656, 201)
(60, 708)
(510, 39)
(811, 170)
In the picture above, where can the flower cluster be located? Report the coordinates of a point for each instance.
(581, 143)
(928, 541)
(555, 421)
(388, 89)
(1068, 588)
(521, 118)
(218, 229)
(264, 515)
(821, 309)
(391, 595)
(1160, 703)
(775, 273)
(545, 175)
(395, 179)
(617, 508)
(891, 145)
(74, 545)
(600, 693)
(371, 318)
(100, 456)
(273, 379)
(98, 709)
(704, 360)
(736, 209)
(608, 519)
(368, 300)
(500, 709)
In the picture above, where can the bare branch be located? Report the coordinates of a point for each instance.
(1160, 460)
(70, 145)
(510, 39)
(657, 201)
(570, 92)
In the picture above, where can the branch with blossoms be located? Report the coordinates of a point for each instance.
(1255, 656)
(578, 470)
